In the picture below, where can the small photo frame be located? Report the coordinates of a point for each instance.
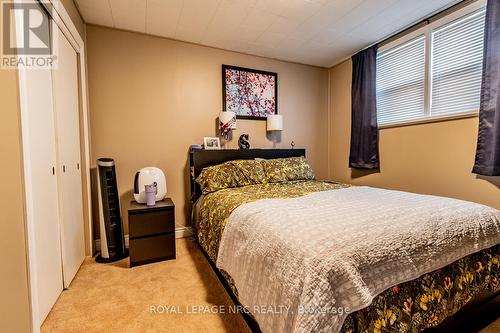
(211, 143)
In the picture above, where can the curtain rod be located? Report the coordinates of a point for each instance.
(456, 6)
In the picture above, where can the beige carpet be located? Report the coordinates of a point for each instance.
(114, 298)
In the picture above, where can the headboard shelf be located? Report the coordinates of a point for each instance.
(199, 159)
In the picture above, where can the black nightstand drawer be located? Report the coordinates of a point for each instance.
(151, 249)
(151, 232)
(152, 223)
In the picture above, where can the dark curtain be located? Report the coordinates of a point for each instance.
(488, 143)
(364, 130)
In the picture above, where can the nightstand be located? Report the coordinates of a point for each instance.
(151, 232)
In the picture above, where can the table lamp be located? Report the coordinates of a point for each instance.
(274, 123)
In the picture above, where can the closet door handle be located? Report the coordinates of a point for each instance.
(77, 166)
(53, 170)
(64, 168)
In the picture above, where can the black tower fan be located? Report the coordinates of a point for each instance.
(111, 228)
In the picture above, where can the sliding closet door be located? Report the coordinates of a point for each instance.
(41, 188)
(65, 83)
(39, 152)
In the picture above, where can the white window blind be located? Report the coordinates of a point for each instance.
(434, 72)
(457, 57)
(401, 82)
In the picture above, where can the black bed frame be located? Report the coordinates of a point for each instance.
(466, 320)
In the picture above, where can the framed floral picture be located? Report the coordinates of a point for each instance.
(250, 93)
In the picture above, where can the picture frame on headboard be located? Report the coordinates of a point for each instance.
(211, 143)
(250, 93)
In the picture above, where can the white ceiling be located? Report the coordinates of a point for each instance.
(315, 32)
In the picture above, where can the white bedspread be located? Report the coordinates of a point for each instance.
(295, 261)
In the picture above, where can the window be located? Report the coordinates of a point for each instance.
(433, 73)
(457, 60)
(400, 82)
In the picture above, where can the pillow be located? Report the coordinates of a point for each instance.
(252, 172)
(231, 174)
(287, 169)
(218, 177)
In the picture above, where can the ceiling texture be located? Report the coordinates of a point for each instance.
(313, 32)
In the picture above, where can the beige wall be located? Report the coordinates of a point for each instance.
(434, 158)
(150, 98)
(14, 301)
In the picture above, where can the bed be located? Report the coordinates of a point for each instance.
(406, 294)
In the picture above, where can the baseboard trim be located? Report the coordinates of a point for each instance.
(180, 232)
(183, 232)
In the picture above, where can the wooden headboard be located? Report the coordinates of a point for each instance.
(199, 159)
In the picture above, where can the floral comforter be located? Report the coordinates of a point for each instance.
(409, 307)
(425, 302)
